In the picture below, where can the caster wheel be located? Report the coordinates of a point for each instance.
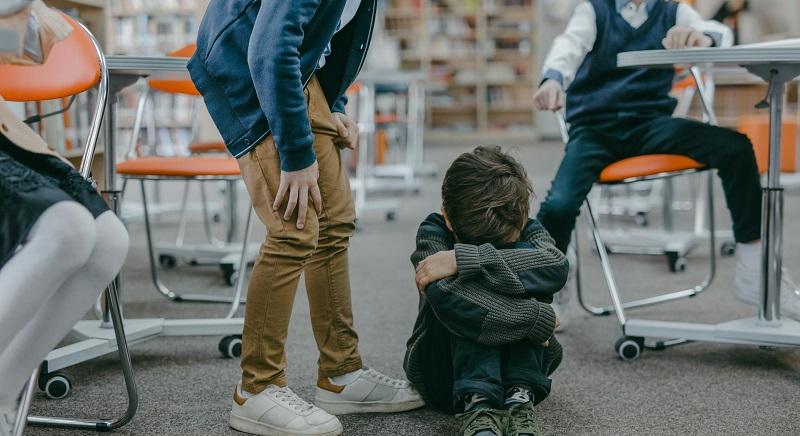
(728, 249)
(229, 273)
(231, 346)
(391, 216)
(55, 385)
(641, 219)
(629, 348)
(167, 261)
(676, 263)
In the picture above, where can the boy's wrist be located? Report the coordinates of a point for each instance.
(553, 75)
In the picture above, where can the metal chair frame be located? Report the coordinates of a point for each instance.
(110, 295)
(602, 248)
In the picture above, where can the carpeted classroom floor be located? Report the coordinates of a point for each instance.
(705, 389)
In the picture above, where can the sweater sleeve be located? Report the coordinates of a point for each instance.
(274, 58)
(467, 305)
(534, 268)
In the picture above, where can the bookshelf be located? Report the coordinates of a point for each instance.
(479, 58)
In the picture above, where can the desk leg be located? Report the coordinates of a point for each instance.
(772, 213)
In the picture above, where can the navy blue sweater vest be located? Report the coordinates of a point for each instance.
(600, 89)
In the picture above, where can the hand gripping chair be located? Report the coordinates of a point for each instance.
(199, 168)
(75, 65)
(637, 169)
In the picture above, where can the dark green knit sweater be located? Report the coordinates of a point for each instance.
(499, 296)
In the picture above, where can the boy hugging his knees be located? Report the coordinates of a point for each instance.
(483, 344)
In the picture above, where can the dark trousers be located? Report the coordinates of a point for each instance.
(593, 146)
(491, 370)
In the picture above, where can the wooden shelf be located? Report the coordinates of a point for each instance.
(499, 64)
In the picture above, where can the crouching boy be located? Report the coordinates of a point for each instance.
(483, 344)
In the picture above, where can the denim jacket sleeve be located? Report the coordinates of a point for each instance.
(274, 60)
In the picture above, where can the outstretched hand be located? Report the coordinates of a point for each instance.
(299, 185)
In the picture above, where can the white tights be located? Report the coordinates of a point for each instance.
(46, 287)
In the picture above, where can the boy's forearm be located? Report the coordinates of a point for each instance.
(571, 47)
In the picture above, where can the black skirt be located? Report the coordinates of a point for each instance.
(29, 184)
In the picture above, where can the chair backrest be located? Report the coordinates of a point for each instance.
(74, 65)
(185, 87)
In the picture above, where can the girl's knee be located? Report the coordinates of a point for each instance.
(70, 231)
(111, 247)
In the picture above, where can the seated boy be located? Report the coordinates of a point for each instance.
(618, 113)
(483, 342)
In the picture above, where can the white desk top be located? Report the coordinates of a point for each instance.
(172, 67)
(718, 56)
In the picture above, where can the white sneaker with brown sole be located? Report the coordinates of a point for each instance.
(371, 392)
(278, 411)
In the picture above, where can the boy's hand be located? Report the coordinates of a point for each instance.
(549, 96)
(557, 325)
(348, 131)
(436, 267)
(685, 37)
(299, 185)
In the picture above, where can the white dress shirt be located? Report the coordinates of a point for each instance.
(571, 47)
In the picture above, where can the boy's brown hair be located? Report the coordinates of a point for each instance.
(486, 197)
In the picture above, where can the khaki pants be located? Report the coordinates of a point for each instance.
(319, 251)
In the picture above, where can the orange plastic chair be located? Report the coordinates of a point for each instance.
(75, 65)
(637, 169)
(186, 87)
(199, 167)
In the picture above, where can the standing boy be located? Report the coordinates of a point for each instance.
(273, 75)
(619, 113)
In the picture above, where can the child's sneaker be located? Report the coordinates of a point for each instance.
(278, 411)
(522, 420)
(482, 422)
(561, 298)
(521, 416)
(747, 282)
(368, 392)
(479, 418)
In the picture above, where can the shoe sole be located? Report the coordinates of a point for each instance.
(263, 429)
(350, 407)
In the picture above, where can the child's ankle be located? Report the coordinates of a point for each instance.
(518, 395)
(475, 401)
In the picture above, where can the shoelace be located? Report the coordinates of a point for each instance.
(485, 420)
(524, 418)
(382, 378)
(289, 398)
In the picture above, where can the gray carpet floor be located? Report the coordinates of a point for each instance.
(705, 389)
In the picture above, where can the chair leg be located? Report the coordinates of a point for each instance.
(127, 371)
(617, 305)
(154, 274)
(240, 280)
(25, 404)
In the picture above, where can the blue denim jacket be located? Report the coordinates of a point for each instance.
(254, 58)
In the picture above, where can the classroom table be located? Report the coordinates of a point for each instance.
(97, 337)
(777, 66)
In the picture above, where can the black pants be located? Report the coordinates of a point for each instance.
(491, 370)
(593, 146)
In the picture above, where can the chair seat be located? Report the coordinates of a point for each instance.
(207, 147)
(182, 166)
(647, 166)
